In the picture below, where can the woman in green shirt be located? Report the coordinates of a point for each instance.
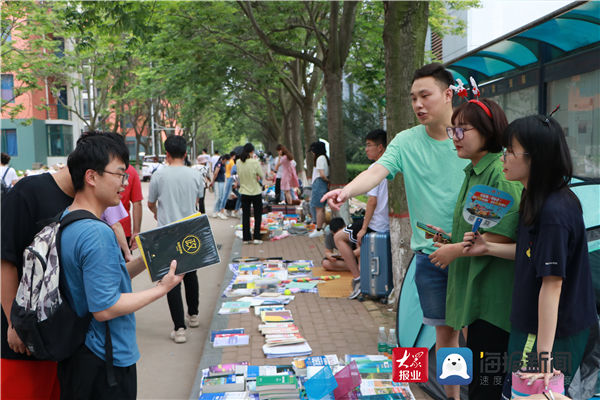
(250, 173)
(479, 288)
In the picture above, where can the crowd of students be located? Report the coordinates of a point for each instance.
(525, 279)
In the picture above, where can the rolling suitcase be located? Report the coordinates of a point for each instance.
(376, 264)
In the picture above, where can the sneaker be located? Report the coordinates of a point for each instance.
(178, 336)
(193, 321)
(213, 215)
(221, 215)
(248, 242)
(316, 233)
(256, 241)
(355, 289)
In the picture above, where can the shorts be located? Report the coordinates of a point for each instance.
(319, 188)
(353, 229)
(431, 284)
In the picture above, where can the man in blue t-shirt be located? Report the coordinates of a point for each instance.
(433, 176)
(97, 279)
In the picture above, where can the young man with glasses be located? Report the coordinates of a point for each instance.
(433, 175)
(97, 279)
(173, 195)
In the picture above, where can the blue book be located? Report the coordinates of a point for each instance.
(224, 332)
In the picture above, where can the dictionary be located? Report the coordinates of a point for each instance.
(189, 241)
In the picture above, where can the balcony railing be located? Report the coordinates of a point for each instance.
(58, 111)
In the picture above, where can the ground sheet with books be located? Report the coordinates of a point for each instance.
(277, 225)
(264, 288)
(313, 377)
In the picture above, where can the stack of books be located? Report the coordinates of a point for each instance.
(282, 336)
(300, 364)
(280, 387)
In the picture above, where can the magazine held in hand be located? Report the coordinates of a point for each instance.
(189, 241)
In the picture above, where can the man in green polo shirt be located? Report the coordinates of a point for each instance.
(432, 176)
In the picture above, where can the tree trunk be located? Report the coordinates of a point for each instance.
(297, 149)
(404, 32)
(337, 147)
(308, 120)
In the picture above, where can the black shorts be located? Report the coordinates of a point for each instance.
(83, 376)
(353, 229)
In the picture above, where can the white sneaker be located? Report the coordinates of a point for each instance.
(193, 321)
(256, 241)
(178, 336)
(316, 233)
(213, 215)
(355, 289)
(221, 215)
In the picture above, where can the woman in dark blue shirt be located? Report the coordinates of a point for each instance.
(553, 296)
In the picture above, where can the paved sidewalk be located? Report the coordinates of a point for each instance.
(330, 325)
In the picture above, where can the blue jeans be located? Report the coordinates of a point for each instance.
(228, 185)
(431, 284)
(219, 192)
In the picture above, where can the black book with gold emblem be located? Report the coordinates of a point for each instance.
(189, 241)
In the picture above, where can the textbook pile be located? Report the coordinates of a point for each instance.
(318, 377)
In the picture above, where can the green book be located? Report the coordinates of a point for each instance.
(264, 382)
(189, 241)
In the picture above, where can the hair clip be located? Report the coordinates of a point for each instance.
(547, 119)
(460, 90)
(474, 87)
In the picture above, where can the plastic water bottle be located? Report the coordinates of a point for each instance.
(382, 341)
(391, 341)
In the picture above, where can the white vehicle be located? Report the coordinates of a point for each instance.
(150, 165)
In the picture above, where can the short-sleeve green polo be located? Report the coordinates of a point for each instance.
(432, 176)
(481, 287)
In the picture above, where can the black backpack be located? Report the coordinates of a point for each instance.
(4, 188)
(41, 314)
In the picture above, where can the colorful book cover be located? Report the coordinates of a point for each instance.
(229, 383)
(189, 241)
(228, 369)
(276, 316)
(227, 340)
(224, 332)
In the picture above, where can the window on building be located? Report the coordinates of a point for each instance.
(85, 108)
(8, 89)
(60, 49)
(579, 115)
(60, 140)
(9, 142)
(520, 103)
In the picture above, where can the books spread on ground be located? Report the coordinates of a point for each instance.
(328, 378)
(189, 241)
(234, 339)
(224, 331)
(227, 383)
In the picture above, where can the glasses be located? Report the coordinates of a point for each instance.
(457, 132)
(506, 151)
(124, 176)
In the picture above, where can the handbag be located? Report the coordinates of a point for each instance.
(520, 387)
